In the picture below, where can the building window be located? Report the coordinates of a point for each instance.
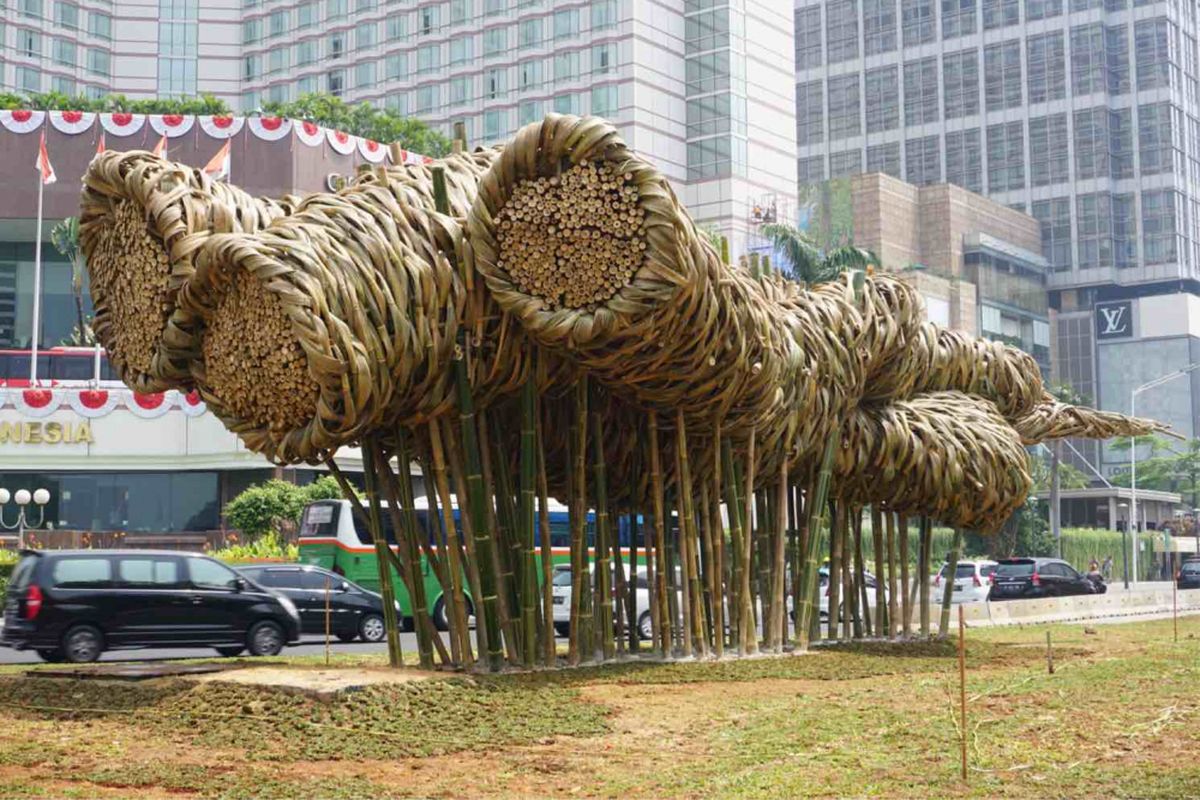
(958, 18)
(100, 25)
(810, 113)
(1042, 9)
(923, 157)
(31, 8)
(808, 37)
(251, 68)
(395, 66)
(495, 83)
(604, 58)
(720, 157)
(1054, 217)
(98, 62)
(306, 52)
(278, 22)
(494, 125)
(335, 82)
(1157, 65)
(462, 49)
(426, 99)
(495, 41)
(177, 76)
(921, 91)
(841, 30)
(529, 74)
(566, 103)
(920, 24)
(810, 170)
(1089, 64)
(844, 107)
(1124, 224)
(366, 35)
(460, 11)
(1006, 157)
(251, 31)
(335, 9)
(66, 15)
(306, 15)
(960, 73)
(566, 67)
(566, 23)
(1002, 75)
(1048, 140)
(1091, 143)
(1093, 221)
(29, 79)
(460, 91)
(530, 32)
(1047, 72)
(530, 111)
(882, 99)
(604, 14)
(306, 85)
(846, 163)
(65, 53)
(964, 159)
(429, 58)
(879, 26)
(337, 46)
(1159, 240)
(397, 27)
(604, 100)
(707, 73)
(364, 74)
(1000, 13)
(427, 18)
(1157, 131)
(884, 158)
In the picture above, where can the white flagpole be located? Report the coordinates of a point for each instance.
(37, 284)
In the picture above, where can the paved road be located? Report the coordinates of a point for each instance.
(309, 646)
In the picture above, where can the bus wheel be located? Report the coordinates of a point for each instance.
(439, 615)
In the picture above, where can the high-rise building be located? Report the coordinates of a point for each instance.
(702, 87)
(1083, 113)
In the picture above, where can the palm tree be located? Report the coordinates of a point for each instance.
(65, 236)
(809, 263)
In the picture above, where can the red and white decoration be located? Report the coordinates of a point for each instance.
(72, 122)
(45, 169)
(191, 404)
(149, 406)
(221, 127)
(37, 402)
(93, 403)
(270, 129)
(409, 157)
(21, 120)
(340, 142)
(171, 125)
(372, 150)
(310, 133)
(122, 123)
(218, 166)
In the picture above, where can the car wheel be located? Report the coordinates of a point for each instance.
(439, 615)
(645, 627)
(347, 636)
(53, 655)
(407, 624)
(562, 628)
(372, 629)
(265, 639)
(82, 644)
(232, 651)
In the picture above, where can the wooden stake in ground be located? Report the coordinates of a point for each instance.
(948, 593)
(662, 627)
(1049, 653)
(962, 687)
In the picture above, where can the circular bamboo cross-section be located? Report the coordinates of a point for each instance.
(142, 220)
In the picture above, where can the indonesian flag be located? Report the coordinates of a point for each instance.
(100, 144)
(160, 149)
(43, 163)
(218, 166)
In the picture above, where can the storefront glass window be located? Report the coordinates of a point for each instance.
(136, 502)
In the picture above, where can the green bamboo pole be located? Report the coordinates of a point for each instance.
(580, 645)
(718, 570)
(508, 552)
(804, 499)
(816, 510)
(662, 565)
(835, 573)
(528, 490)
(733, 507)
(905, 599)
(923, 572)
(550, 649)
(893, 606)
(712, 634)
(457, 614)
(848, 603)
(688, 530)
(881, 620)
(778, 599)
(761, 557)
(746, 626)
(372, 453)
(685, 598)
(862, 620)
(604, 576)
(948, 592)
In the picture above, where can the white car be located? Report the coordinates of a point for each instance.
(872, 596)
(561, 588)
(972, 580)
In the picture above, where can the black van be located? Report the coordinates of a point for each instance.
(72, 605)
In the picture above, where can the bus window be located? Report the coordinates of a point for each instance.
(321, 519)
(364, 533)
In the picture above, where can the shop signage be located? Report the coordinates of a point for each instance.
(1114, 320)
(46, 433)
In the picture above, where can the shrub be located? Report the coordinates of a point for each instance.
(266, 548)
(275, 506)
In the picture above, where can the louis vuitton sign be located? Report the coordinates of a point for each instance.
(1114, 320)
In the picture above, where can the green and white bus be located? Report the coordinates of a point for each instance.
(330, 537)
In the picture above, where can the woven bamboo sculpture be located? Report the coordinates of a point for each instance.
(310, 323)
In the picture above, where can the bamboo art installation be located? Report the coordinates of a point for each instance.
(546, 314)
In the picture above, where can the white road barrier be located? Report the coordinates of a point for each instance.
(1133, 603)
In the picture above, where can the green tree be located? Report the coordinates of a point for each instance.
(65, 237)
(204, 104)
(275, 506)
(1171, 467)
(379, 124)
(806, 262)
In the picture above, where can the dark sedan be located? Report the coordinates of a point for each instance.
(1021, 578)
(1189, 575)
(354, 612)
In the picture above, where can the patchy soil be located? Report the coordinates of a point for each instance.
(323, 684)
(1117, 718)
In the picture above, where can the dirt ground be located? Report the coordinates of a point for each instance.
(1117, 718)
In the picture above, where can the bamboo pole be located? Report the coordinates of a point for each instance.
(849, 604)
(529, 585)
(718, 545)
(631, 609)
(733, 508)
(893, 615)
(550, 650)
(962, 689)
(604, 575)
(923, 572)
(372, 453)
(708, 577)
(881, 623)
(457, 614)
(863, 619)
(662, 627)
(905, 598)
(778, 599)
(835, 572)
(803, 501)
(682, 493)
(579, 647)
(746, 625)
(507, 554)
(816, 510)
(948, 593)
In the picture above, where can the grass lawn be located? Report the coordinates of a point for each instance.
(1118, 718)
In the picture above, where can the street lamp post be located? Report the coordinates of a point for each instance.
(1133, 511)
(22, 497)
(1125, 545)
